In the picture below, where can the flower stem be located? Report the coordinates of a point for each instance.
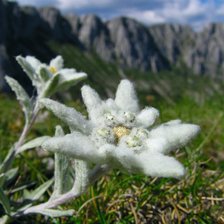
(14, 150)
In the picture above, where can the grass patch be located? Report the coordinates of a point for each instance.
(125, 198)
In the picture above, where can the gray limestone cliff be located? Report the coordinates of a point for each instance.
(124, 41)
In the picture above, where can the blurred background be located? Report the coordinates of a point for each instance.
(178, 36)
(173, 51)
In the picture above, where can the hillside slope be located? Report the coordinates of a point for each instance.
(171, 86)
(123, 41)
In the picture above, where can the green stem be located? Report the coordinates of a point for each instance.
(13, 151)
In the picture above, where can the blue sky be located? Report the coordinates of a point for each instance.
(196, 13)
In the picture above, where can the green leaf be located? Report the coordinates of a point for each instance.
(50, 86)
(22, 96)
(4, 219)
(53, 213)
(45, 75)
(6, 164)
(23, 187)
(37, 193)
(8, 176)
(33, 143)
(4, 201)
(11, 174)
(2, 179)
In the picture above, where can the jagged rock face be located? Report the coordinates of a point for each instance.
(58, 25)
(74, 22)
(27, 30)
(24, 23)
(14, 21)
(93, 34)
(3, 54)
(207, 55)
(134, 46)
(172, 39)
(2, 22)
(31, 23)
(2, 64)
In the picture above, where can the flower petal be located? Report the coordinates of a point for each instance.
(69, 77)
(157, 145)
(126, 97)
(70, 116)
(176, 135)
(57, 63)
(159, 165)
(111, 105)
(68, 71)
(173, 122)
(76, 145)
(151, 164)
(147, 117)
(93, 103)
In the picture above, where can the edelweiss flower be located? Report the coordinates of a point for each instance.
(119, 134)
(49, 78)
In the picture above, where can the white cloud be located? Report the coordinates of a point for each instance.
(79, 4)
(36, 2)
(147, 16)
(194, 12)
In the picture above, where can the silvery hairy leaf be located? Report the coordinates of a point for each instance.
(37, 193)
(63, 171)
(33, 144)
(27, 68)
(8, 176)
(53, 213)
(50, 86)
(21, 96)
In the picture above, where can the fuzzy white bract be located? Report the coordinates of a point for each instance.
(51, 78)
(119, 134)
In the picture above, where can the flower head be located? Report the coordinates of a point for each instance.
(118, 133)
(51, 78)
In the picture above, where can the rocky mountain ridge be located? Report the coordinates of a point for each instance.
(26, 30)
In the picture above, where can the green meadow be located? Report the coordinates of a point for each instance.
(122, 197)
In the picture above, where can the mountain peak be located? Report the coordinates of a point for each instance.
(121, 40)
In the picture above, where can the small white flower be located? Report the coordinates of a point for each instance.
(49, 78)
(110, 119)
(119, 134)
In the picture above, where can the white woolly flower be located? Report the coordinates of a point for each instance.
(49, 78)
(119, 134)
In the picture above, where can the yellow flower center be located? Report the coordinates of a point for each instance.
(120, 131)
(52, 69)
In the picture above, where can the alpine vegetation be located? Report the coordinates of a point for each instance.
(117, 134)
(47, 80)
